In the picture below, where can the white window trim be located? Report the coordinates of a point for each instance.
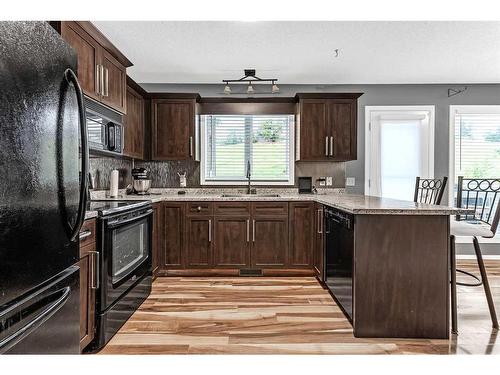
(291, 166)
(461, 109)
(369, 109)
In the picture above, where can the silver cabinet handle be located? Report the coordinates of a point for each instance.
(83, 235)
(326, 146)
(95, 270)
(331, 146)
(248, 230)
(253, 230)
(190, 146)
(320, 222)
(102, 80)
(209, 230)
(97, 79)
(106, 87)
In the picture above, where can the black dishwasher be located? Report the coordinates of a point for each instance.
(339, 249)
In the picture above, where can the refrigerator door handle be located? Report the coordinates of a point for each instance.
(61, 298)
(75, 231)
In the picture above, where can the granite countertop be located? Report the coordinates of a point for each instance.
(351, 203)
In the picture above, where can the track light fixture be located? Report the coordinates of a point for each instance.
(250, 77)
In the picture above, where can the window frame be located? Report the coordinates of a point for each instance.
(453, 110)
(291, 166)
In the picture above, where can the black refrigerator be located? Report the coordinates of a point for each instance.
(43, 153)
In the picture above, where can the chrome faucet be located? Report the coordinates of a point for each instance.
(249, 174)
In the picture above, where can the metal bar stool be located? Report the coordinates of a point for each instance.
(429, 190)
(483, 196)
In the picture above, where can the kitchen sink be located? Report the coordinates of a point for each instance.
(250, 195)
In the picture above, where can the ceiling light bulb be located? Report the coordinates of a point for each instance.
(227, 89)
(250, 89)
(275, 89)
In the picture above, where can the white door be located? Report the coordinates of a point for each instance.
(399, 147)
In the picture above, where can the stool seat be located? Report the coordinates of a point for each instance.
(470, 228)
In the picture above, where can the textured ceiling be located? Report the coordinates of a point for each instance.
(303, 52)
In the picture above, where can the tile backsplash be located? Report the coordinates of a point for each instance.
(163, 174)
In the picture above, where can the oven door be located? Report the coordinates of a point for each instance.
(126, 255)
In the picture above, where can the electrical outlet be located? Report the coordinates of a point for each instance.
(329, 181)
(350, 181)
(322, 181)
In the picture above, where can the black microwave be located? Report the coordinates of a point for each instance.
(104, 129)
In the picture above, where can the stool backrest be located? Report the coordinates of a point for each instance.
(482, 195)
(429, 190)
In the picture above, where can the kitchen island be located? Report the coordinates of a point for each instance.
(400, 250)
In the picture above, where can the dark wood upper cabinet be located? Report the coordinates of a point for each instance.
(327, 126)
(89, 57)
(172, 131)
(232, 241)
(101, 67)
(301, 234)
(173, 234)
(114, 91)
(133, 123)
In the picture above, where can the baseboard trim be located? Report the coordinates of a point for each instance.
(235, 272)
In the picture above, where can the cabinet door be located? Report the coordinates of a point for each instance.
(133, 123)
(232, 241)
(318, 256)
(88, 51)
(115, 83)
(342, 123)
(88, 276)
(156, 243)
(173, 129)
(269, 241)
(301, 229)
(173, 219)
(313, 130)
(198, 237)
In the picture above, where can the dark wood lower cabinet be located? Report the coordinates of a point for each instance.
(269, 241)
(221, 238)
(88, 283)
(198, 242)
(319, 242)
(301, 234)
(157, 238)
(173, 233)
(232, 242)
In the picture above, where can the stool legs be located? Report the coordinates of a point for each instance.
(453, 278)
(486, 284)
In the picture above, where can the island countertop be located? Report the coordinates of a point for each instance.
(351, 203)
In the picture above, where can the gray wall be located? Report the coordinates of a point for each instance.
(436, 95)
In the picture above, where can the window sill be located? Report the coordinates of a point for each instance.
(245, 183)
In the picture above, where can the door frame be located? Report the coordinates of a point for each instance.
(387, 108)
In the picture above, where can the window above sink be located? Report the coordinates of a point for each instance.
(229, 142)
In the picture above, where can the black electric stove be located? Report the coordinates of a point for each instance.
(108, 207)
(124, 245)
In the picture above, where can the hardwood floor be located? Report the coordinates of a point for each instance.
(282, 316)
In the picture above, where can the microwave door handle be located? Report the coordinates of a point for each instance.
(75, 231)
(111, 136)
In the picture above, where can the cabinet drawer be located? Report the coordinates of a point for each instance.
(270, 208)
(200, 208)
(87, 233)
(232, 208)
